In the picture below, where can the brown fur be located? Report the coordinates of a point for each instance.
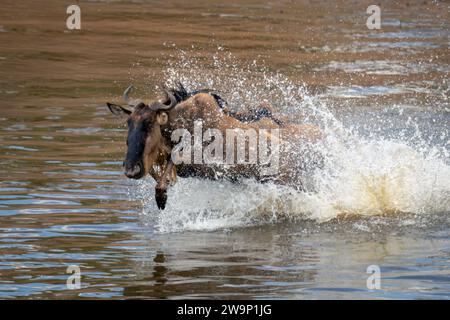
(203, 106)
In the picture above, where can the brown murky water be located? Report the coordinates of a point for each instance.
(64, 200)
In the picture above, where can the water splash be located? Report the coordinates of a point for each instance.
(395, 172)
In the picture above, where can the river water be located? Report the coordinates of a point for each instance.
(381, 201)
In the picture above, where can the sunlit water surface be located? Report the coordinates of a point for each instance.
(381, 199)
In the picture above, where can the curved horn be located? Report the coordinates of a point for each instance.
(162, 106)
(173, 100)
(126, 93)
(126, 97)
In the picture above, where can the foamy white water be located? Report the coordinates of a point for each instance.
(377, 178)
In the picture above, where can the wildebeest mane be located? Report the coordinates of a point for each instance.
(181, 94)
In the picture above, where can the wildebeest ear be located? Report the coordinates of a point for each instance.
(162, 118)
(118, 110)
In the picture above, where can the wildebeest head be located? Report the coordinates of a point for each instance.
(146, 145)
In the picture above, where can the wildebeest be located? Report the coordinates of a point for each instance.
(156, 129)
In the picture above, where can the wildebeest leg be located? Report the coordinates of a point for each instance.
(161, 187)
(154, 174)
